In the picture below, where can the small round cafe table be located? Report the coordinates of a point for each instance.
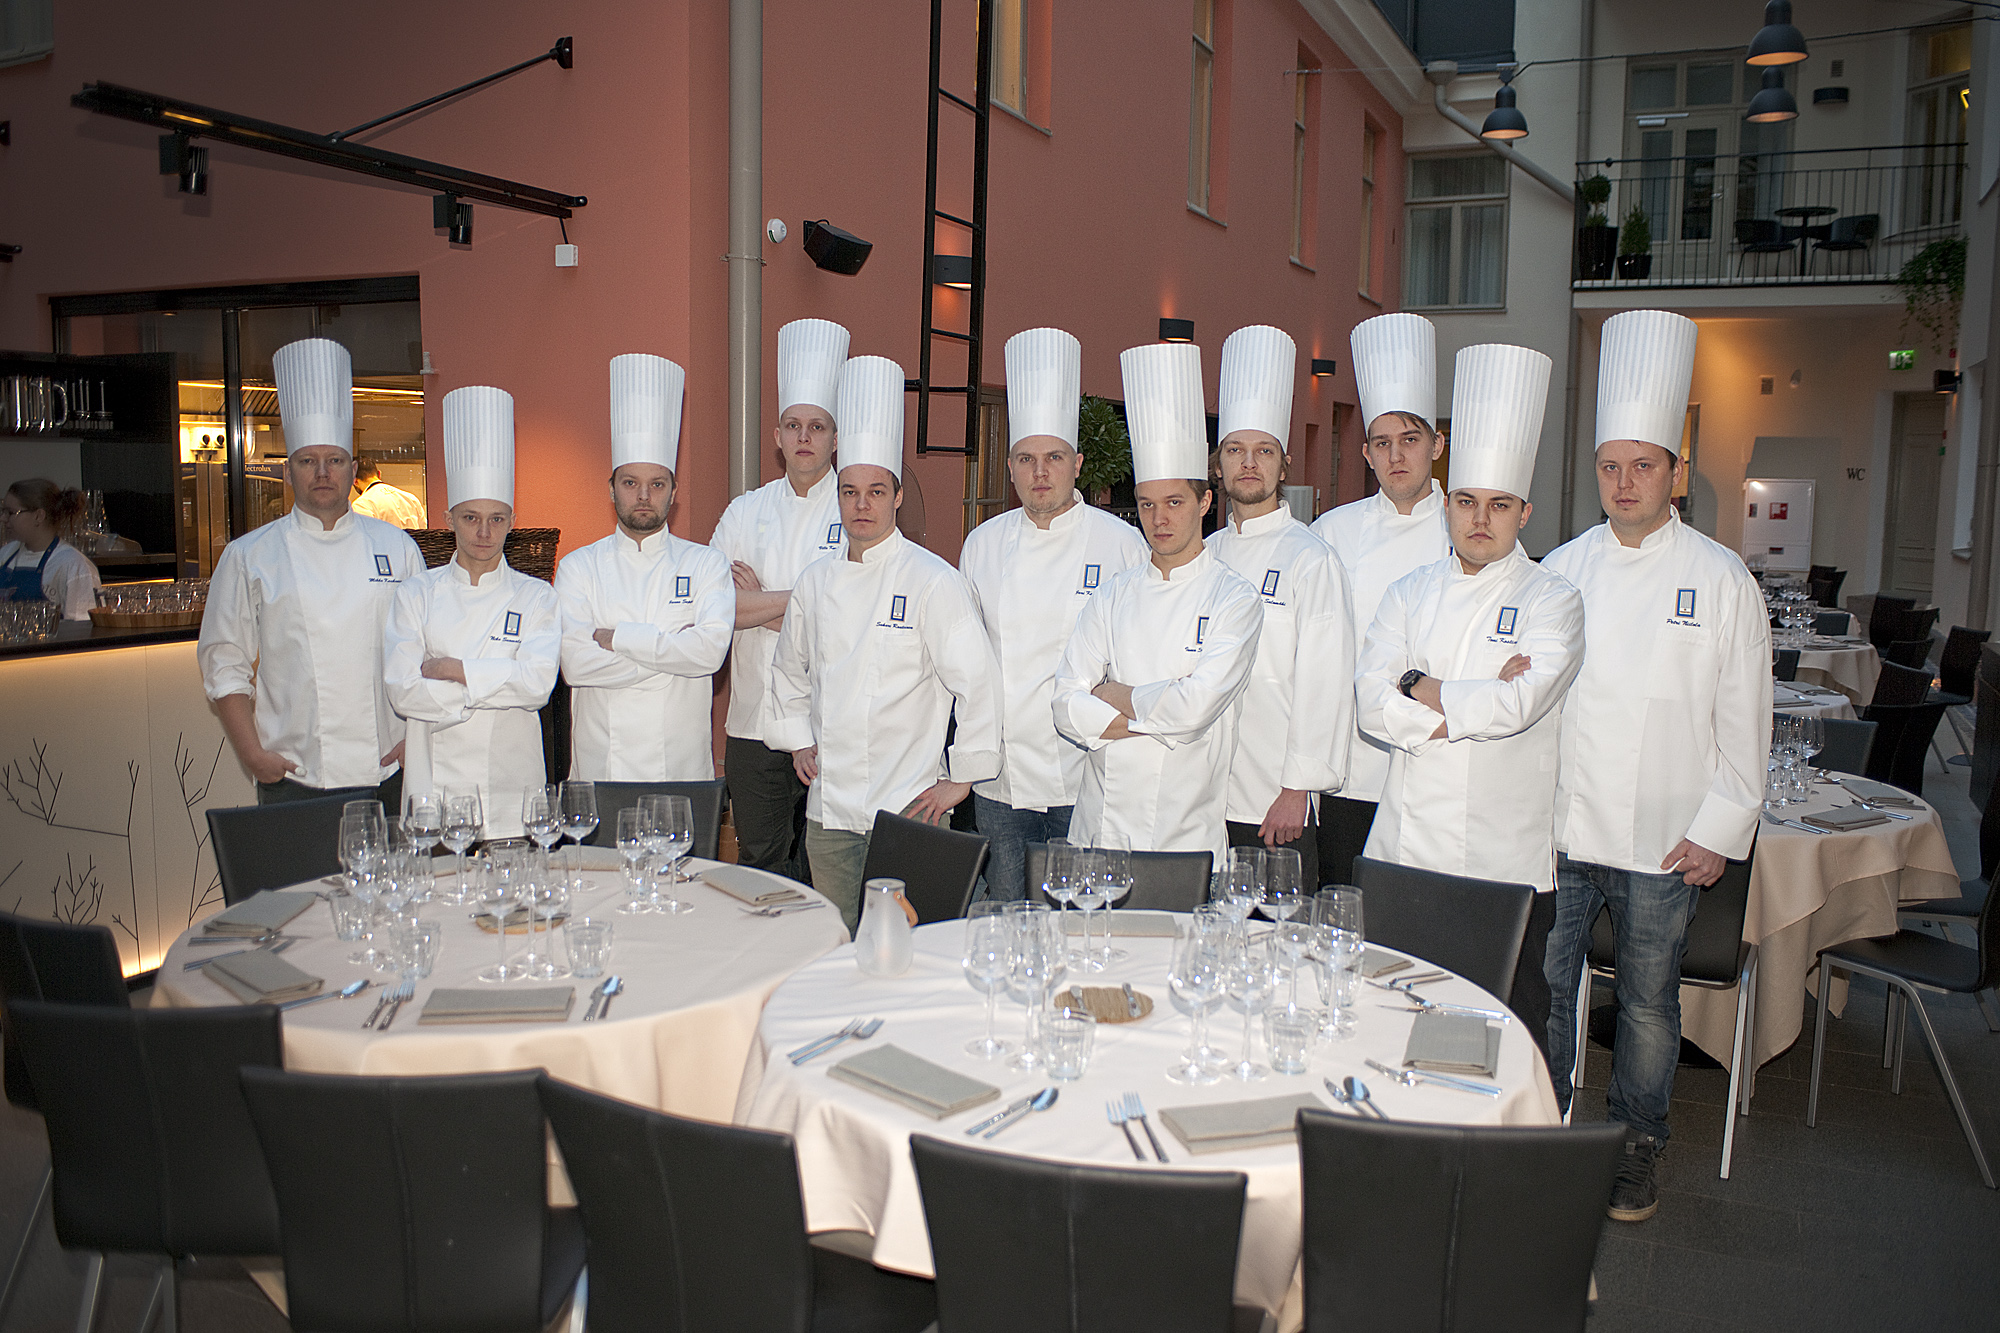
(1809, 700)
(1848, 665)
(853, 1146)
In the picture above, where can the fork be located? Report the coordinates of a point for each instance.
(863, 1033)
(1114, 1111)
(1136, 1110)
(395, 998)
(853, 1026)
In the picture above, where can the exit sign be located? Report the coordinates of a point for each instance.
(1904, 360)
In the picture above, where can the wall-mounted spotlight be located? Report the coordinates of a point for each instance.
(1945, 381)
(1504, 121)
(954, 271)
(1176, 330)
(835, 250)
(1777, 42)
(1773, 104)
(7, 253)
(179, 157)
(452, 216)
(1322, 366)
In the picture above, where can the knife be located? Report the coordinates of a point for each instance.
(1428, 1076)
(992, 1120)
(1131, 1004)
(611, 989)
(590, 1010)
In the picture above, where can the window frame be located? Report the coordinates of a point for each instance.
(1455, 204)
(1201, 109)
(1371, 150)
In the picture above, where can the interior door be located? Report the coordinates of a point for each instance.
(1915, 468)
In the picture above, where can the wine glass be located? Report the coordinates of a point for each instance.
(1812, 737)
(1337, 943)
(1117, 882)
(653, 837)
(462, 822)
(502, 888)
(673, 825)
(631, 836)
(550, 893)
(1086, 884)
(1242, 887)
(1194, 982)
(1040, 958)
(577, 807)
(541, 818)
(1057, 881)
(423, 820)
(1248, 983)
(1283, 872)
(363, 844)
(988, 958)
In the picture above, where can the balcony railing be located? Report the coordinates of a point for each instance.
(1811, 218)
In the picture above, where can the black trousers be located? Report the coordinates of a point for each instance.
(389, 793)
(768, 803)
(1343, 833)
(1306, 845)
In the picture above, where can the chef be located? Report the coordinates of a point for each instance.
(1032, 571)
(291, 639)
(1467, 660)
(36, 564)
(1664, 734)
(471, 648)
(1298, 711)
(646, 615)
(378, 499)
(769, 535)
(1393, 532)
(880, 646)
(1153, 677)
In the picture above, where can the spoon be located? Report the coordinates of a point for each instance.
(611, 988)
(348, 991)
(1340, 1095)
(1359, 1092)
(1043, 1101)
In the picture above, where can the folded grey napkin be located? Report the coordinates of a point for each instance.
(1844, 819)
(261, 977)
(1453, 1044)
(1230, 1126)
(892, 1072)
(759, 888)
(1882, 793)
(1139, 924)
(260, 912)
(1378, 963)
(541, 1004)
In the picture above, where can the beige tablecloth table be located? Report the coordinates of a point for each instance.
(1848, 665)
(854, 1156)
(1810, 701)
(1809, 891)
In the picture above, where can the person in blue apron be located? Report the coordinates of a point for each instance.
(36, 565)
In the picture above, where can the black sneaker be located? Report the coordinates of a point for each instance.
(1634, 1195)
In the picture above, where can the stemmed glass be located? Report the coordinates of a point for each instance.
(1117, 882)
(1282, 873)
(1242, 887)
(502, 888)
(577, 807)
(1336, 945)
(1248, 982)
(550, 893)
(671, 819)
(1812, 739)
(631, 834)
(363, 845)
(989, 956)
(1086, 881)
(1058, 880)
(541, 818)
(1194, 981)
(1040, 961)
(423, 821)
(462, 822)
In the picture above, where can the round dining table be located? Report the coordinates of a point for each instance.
(1849, 665)
(1801, 700)
(853, 1146)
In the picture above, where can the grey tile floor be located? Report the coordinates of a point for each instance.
(1873, 1220)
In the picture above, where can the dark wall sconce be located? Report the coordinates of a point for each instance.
(179, 157)
(452, 216)
(1830, 96)
(1946, 381)
(954, 271)
(835, 250)
(1323, 366)
(1176, 330)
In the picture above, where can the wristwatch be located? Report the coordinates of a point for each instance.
(1408, 682)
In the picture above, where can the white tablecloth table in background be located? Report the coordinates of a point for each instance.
(1805, 701)
(1848, 665)
(854, 1155)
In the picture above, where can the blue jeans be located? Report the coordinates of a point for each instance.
(1649, 921)
(1008, 832)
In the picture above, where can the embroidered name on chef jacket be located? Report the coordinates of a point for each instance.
(1092, 575)
(1684, 604)
(682, 587)
(899, 613)
(511, 627)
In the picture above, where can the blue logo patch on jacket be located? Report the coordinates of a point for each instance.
(1684, 603)
(833, 535)
(1505, 625)
(512, 627)
(898, 607)
(1271, 577)
(681, 585)
(1200, 630)
(1092, 574)
(383, 567)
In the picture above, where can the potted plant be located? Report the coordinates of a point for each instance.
(1106, 447)
(1635, 245)
(1596, 239)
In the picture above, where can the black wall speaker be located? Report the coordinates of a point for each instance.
(835, 250)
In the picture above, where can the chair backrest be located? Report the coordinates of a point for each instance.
(1958, 661)
(1714, 937)
(1989, 944)
(149, 1137)
(1912, 624)
(1757, 231)
(407, 1203)
(1820, 571)
(693, 1226)
(1832, 624)
(1161, 881)
(1024, 1243)
(1911, 653)
(1899, 686)
(1473, 927)
(1989, 835)
(58, 962)
(1855, 229)
(1414, 1226)
(705, 797)
(1902, 744)
(939, 866)
(1848, 741)
(1785, 664)
(260, 847)
(1880, 616)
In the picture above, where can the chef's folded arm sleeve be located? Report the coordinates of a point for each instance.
(1553, 642)
(694, 648)
(1380, 708)
(788, 724)
(1080, 715)
(525, 679)
(1181, 710)
(962, 655)
(439, 702)
(584, 663)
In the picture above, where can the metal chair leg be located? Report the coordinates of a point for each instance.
(1736, 1052)
(1819, 1050)
(163, 1301)
(1890, 1014)
(94, 1281)
(1951, 1088)
(28, 1229)
(1750, 1033)
(1985, 1011)
(1902, 1032)
(579, 1302)
(1580, 1029)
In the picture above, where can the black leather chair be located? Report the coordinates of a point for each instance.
(1762, 236)
(1902, 745)
(260, 847)
(1847, 745)
(149, 1140)
(415, 1204)
(1161, 881)
(1023, 1243)
(1881, 616)
(701, 1227)
(1958, 663)
(1832, 624)
(1717, 957)
(1473, 927)
(1899, 687)
(939, 867)
(1911, 653)
(1903, 626)
(1964, 910)
(1908, 962)
(1847, 235)
(1441, 1227)
(704, 797)
(1785, 664)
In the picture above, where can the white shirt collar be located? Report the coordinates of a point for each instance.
(1431, 502)
(1181, 574)
(463, 577)
(1263, 523)
(880, 551)
(308, 523)
(650, 545)
(1663, 535)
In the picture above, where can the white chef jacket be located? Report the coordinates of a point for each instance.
(294, 619)
(392, 504)
(1377, 546)
(1297, 720)
(1185, 642)
(1019, 574)
(69, 579)
(1665, 732)
(642, 710)
(777, 532)
(486, 733)
(873, 654)
(1480, 800)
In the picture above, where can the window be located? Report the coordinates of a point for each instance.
(1201, 104)
(1369, 138)
(27, 30)
(1009, 80)
(989, 488)
(1940, 93)
(1685, 123)
(1305, 165)
(1457, 242)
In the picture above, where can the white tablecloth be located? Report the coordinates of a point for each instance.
(854, 1156)
(1810, 701)
(1850, 666)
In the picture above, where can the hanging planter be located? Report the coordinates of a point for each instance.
(1933, 286)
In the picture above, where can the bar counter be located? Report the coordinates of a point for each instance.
(76, 636)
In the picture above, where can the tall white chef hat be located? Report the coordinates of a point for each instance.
(645, 410)
(811, 353)
(1644, 367)
(1255, 392)
(479, 445)
(871, 410)
(1395, 366)
(315, 393)
(1498, 394)
(1044, 385)
(1164, 411)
